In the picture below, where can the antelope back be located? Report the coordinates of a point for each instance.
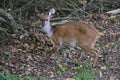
(76, 31)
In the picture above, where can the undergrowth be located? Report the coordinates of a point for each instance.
(85, 72)
(6, 75)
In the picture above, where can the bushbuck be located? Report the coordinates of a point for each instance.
(77, 33)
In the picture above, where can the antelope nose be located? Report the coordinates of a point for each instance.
(43, 23)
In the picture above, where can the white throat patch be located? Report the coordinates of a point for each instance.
(47, 29)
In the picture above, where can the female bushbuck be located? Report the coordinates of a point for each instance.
(75, 33)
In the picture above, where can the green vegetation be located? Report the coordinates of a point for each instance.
(83, 75)
(6, 75)
(43, 78)
(84, 72)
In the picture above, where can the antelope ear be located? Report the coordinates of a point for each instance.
(52, 11)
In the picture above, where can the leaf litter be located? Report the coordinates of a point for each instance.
(25, 53)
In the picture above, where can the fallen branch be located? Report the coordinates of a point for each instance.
(117, 11)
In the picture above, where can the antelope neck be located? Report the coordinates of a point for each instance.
(48, 28)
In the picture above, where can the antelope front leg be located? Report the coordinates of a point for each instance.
(54, 50)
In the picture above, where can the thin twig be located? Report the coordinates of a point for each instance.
(23, 7)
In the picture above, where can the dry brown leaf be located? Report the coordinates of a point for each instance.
(32, 46)
(14, 49)
(70, 79)
(112, 78)
(100, 73)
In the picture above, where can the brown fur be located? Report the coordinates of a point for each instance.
(80, 33)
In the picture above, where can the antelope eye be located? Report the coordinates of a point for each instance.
(46, 19)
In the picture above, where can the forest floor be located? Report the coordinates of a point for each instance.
(24, 54)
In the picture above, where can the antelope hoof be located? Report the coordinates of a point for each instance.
(94, 65)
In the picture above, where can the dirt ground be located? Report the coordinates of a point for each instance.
(25, 53)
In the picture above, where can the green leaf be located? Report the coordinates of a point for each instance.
(6, 57)
(43, 78)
